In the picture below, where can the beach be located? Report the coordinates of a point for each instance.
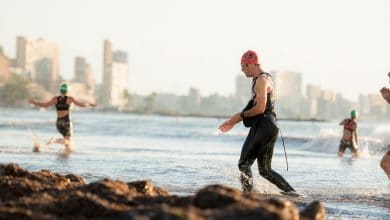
(185, 154)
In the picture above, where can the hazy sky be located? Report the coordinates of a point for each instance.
(342, 45)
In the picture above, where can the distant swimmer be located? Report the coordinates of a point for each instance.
(64, 123)
(385, 162)
(350, 135)
(260, 116)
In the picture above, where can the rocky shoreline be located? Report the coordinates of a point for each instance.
(48, 195)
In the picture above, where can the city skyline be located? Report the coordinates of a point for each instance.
(341, 46)
(35, 68)
(297, 87)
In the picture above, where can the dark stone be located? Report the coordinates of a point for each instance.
(48, 195)
(314, 211)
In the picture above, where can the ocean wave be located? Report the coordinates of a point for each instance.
(330, 144)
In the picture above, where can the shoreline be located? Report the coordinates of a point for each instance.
(169, 114)
(48, 195)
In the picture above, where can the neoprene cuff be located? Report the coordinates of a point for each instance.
(242, 115)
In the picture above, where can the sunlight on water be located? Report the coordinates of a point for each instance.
(185, 154)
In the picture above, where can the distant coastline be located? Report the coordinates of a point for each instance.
(171, 114)
(218, 116)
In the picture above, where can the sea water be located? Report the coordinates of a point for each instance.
(183, 154)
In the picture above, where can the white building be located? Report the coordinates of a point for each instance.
(83, 74)
(115, 76)
(288, 93)
(40, 59)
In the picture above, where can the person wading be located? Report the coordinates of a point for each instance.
(260, 116)
(64, 123)
(350, 135)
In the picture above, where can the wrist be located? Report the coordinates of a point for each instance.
(242, 115)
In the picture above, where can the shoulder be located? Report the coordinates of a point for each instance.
(262, 80)
(261, 84)
(266, 77)
(69, 99)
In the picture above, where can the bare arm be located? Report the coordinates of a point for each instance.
(261, 98)
(81, 104)
(229, 124)
(259, 108)
(51, 102)
(355, 135)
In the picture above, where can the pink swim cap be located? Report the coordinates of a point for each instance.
(249, 57)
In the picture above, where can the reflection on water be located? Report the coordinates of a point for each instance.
(185, 154)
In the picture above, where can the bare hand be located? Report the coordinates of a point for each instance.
(227, 125)
(385, 90)
(385, 93)
(31, 101)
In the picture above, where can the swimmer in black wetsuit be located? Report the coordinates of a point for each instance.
(64, 124)
(260, 116)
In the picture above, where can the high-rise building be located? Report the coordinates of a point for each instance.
(288, 92)
(313, 94)
(313, 91)
(84, 73)
(287, 84)
(40, 59)
(115, 76)
(4, 65)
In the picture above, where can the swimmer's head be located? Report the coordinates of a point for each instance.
(354, 114)
(63, 88)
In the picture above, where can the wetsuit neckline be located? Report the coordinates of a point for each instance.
(257, 76)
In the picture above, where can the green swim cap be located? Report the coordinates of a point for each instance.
(354, 113)
(64, 88)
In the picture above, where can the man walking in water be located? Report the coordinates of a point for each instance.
(385, 162)
(260, 116)
(350, 135)
(64, 123)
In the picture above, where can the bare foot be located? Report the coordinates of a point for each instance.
(37, 147)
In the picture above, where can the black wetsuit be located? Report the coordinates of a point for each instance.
(260, 142)
(64, 125)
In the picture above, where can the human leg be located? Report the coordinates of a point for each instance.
(248, 156)
(64, 126)
(264, 161)
(341, 149)
(385, 163)
(355, 150)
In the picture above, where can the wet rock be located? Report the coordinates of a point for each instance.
(147, 189)
(223, 202)
(111, 190)
(48, 195)
(16, 182)
(314, 211)
(217, 196)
